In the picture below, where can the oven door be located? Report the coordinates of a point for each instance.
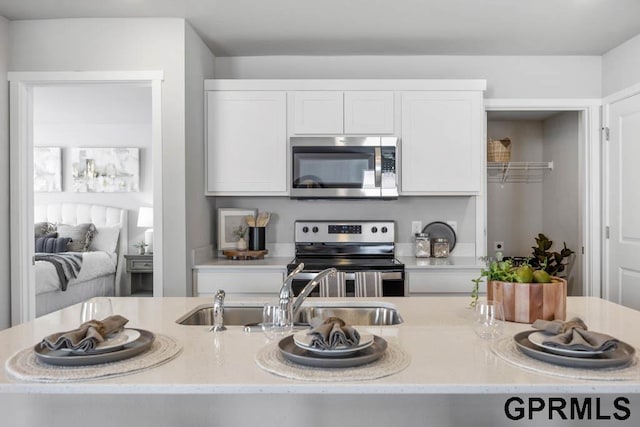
(393, 283)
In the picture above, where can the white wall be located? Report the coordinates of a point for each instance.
(403, 210)
(199, 213)
(561, 190)
(514, 210)
(5, 260)
(97, 116)
(621, 67)
(507, 76)
(125, 44)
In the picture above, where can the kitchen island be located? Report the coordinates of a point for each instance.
(454, 377)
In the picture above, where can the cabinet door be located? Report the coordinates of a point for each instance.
(246, 143)
(368, 112)
(238, 282)
(317, 112)
(441, 142)
(443, 282)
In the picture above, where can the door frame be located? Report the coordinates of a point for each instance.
(589, 118)
(606, 250)
(21, 85)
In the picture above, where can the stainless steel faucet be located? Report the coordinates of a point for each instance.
(286, 292)
(218, 312)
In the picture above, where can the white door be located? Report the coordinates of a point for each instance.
(622, 203)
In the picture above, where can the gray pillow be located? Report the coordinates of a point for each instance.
(52, 245)
(42, 229)
(81, 236)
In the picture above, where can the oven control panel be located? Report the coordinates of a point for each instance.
(344, 231)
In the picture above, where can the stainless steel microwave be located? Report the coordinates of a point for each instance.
(344, 167)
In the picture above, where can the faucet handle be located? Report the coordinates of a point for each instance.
(218, 312)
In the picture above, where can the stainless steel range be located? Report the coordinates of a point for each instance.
(349, 246)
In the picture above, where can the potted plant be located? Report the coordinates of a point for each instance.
(241, 233)
(141, 245)
(553, 263)
(530, 291)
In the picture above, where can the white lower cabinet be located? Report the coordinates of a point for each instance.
(237, 282)
(442, 281)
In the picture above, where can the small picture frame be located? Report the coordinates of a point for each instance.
(229, 219)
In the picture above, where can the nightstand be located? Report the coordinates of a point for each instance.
(140, 274)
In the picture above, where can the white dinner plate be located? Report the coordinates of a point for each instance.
(303, 340)
(538, 338)
(112, 342)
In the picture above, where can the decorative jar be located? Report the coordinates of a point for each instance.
(422, 245)
(440, 247)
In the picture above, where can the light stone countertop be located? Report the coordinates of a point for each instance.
(452, 262)
(278, 263)
(410, 262)
(446, 356)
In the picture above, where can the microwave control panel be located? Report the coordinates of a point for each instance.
(388, 159)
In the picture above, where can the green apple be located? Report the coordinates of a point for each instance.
(524, 274)
(541, 276)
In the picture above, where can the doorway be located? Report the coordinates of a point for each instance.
(549, 185)
(538, 190)
(27, 88)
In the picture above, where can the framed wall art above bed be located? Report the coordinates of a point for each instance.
(47, 169)
(105, 170)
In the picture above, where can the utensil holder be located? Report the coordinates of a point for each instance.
(257, 239)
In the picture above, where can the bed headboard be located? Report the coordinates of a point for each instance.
(79, 213)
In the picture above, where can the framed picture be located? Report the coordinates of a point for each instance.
(229, 219)
(47, 169)
(105, 170)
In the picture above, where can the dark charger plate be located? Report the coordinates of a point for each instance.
(62, 358)
(292, 352)
(621, 356)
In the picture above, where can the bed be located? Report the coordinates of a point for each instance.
(101, 263)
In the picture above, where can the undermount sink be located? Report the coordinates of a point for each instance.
(371, 314)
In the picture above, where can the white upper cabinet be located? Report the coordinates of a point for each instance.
(343, 112)
(317, 112)
(368, 112)
(246, 143)
(442, 143)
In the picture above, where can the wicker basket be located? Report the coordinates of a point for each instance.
(499, 150)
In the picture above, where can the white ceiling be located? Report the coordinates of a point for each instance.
(374, 27)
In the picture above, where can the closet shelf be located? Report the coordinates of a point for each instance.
(517, 172)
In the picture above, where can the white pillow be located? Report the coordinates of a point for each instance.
(105, 239)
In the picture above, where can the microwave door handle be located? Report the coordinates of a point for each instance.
(378, 166)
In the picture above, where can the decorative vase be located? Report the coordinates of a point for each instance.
(527, 302)
(241, 244)
(141, 250)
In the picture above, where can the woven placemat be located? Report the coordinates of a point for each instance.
(25, 366)
(507, 350)
(392, 361)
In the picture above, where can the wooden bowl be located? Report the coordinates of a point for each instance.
(526, 302)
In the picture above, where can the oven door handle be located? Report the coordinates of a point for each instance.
(386, 275)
